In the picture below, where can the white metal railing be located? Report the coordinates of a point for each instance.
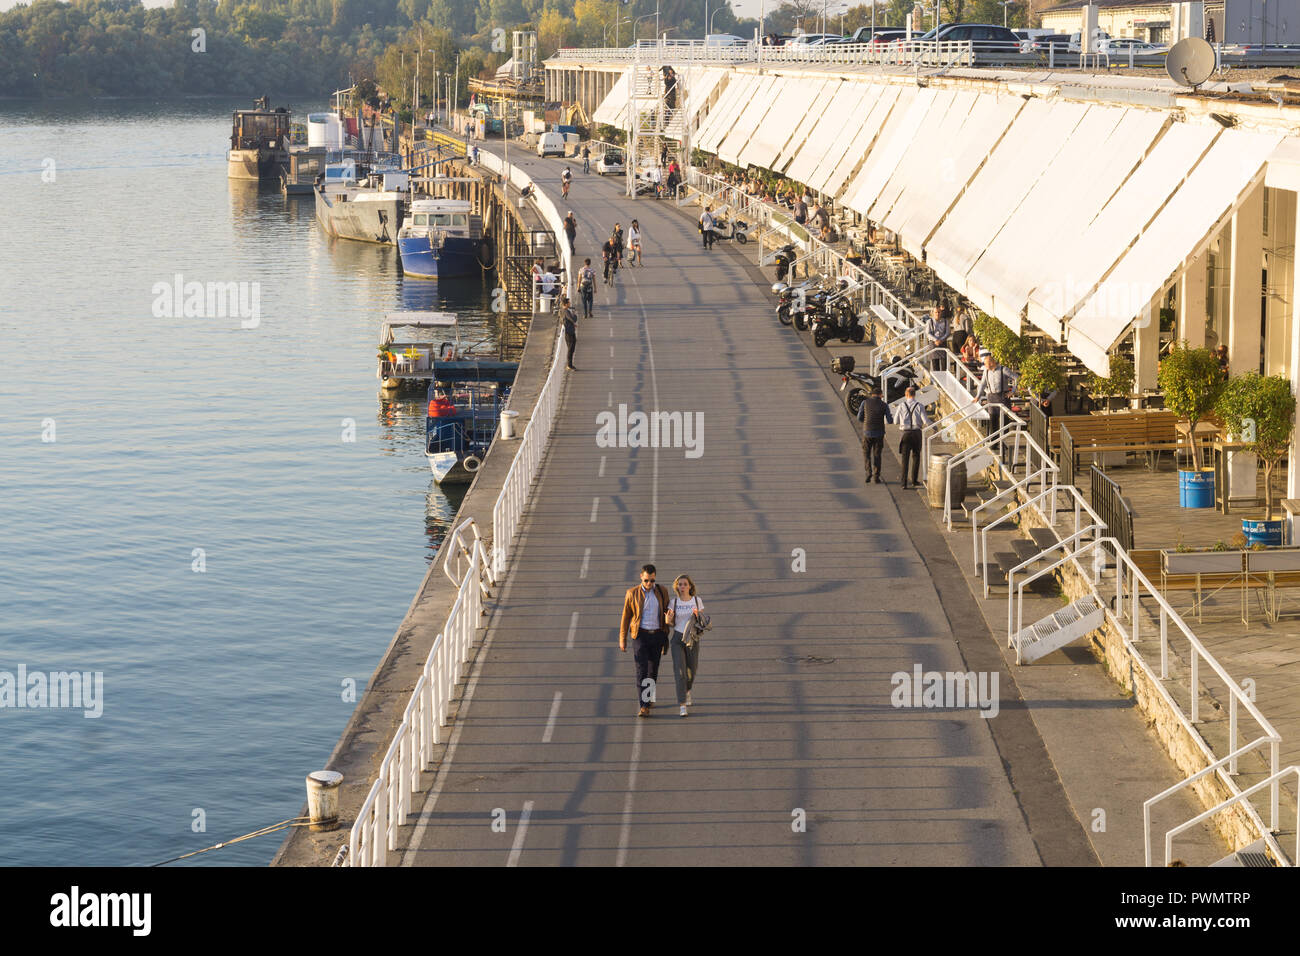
(897, 53)
(509, 507)
(411, 750)
(1127, 604)
(980, 536)
(389, 801)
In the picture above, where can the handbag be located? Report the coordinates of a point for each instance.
(699, 623)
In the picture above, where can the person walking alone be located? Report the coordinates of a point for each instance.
(706, 227)
(645, 622)
(587, 286)
(570, 328)
(566, 178)
(873, 413)
(571, 230)
(634, 243)
(684, 610)
(912, 417)
(586, 159)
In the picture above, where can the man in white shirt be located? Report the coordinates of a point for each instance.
(911, 418)
(995, 390)
(706, 227)
(645, 621)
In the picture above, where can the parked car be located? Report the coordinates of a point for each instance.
(1058, 41)
(807, 40)
(1121, 45)
(611, 161)
(724, 39)
(885, 35)
(872, 34)
(985, 37)
(1101, 35)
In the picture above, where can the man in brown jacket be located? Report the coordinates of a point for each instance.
(645, 621)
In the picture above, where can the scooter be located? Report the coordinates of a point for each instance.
(898, 380)
(841, 322)
(736, 229)
(791, 302)
(785, 257)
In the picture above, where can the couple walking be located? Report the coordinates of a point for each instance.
(654, 621)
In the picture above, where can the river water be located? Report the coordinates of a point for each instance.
(216, 512)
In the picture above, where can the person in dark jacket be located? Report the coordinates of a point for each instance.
(873, 413)
(570, 328)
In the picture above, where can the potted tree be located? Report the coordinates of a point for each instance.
(1041, 373)
(1191, 381)
(1258, 409)
(1116, 387)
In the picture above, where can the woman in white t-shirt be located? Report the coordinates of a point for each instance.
(685, 659)
(634, 243)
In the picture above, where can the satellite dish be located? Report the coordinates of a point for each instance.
(1190, 62)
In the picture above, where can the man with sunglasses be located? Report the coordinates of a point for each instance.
(645, 621)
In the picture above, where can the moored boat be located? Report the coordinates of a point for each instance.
(441, 238)
(361, 196)
(259, 142)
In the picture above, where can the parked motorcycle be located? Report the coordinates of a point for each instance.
(736, 229)
(785, 257)
(863, 383)
(791, 302)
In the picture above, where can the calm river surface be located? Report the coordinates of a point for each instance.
(180, 506)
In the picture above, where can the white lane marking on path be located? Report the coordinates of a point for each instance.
(611, 331)
(462, 716)
(611, 375)
(586, 557)
(573, 629)
(595, 503)
(518, 847)
(654, 390)
(625, 831)
(601, 473)
(610, 399)
(611, 351)
(550, 721)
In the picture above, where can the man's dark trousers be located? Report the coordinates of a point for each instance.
(570, 341)
(646, 651)
(910, 448)
(872, 446)
(588, 298)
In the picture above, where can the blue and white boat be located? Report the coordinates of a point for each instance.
(466, 397)
(441, 239)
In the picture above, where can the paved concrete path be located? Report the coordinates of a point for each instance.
(793, 718)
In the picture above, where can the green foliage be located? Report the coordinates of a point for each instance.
(1191, 382)
(1041, 373)
(1119, 382)
(1007, 347)
(1269, 402)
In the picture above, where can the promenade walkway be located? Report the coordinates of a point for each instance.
(793, 753)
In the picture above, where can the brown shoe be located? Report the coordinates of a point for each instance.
(643, 712)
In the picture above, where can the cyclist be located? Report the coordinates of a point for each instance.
(565, 178)
(610, 253)
(634, 243)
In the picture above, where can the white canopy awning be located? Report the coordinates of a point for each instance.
(1081, 260)
(695, 88)
(718, 123)
(861, 107)
(749, 119)
(1023, 155)
(863, 141)
(834, 116)
(921, 165)
(889, 146)
(793, 99)
(823, 91)
(612, 110)
(1233, 166)
(920, 210)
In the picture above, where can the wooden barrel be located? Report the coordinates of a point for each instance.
(935, 479)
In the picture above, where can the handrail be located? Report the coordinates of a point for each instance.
(981, 535)
(1271, 781)
(388, 802)
(1147, 805)
(1238, 698)
(1064, 542)
(458, 550)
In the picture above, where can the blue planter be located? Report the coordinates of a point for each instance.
(1262, 532)
(1196, 489)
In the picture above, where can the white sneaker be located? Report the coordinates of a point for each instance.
(682, 710)
(688, 698)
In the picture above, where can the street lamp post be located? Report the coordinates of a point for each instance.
(711, 16)
(638, 20)
(1004, 4)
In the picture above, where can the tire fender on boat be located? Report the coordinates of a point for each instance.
(472, 463)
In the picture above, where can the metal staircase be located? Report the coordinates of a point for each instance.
(650, 120)
(1065, 626)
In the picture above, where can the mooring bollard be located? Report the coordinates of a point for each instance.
(323, 799)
